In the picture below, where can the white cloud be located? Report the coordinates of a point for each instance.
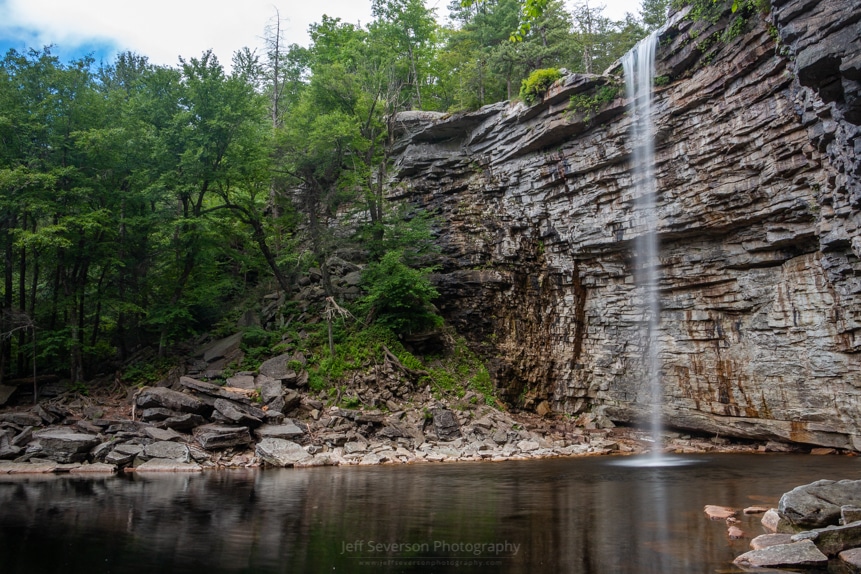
(163, 30)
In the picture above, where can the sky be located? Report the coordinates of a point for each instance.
(164, 30)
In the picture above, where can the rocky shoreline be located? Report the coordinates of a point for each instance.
(815, 526)
(271, 418)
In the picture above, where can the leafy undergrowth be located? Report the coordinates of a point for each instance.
(450, 369)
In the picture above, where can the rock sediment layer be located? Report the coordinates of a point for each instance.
(759, 201)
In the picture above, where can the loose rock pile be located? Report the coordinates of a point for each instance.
(812, 525)
(270, 417)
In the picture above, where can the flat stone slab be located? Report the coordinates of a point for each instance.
(158, 434)
(287, 430)
(239, 413)
(187, 421)
(715, 512)
(21, 419)
(65, 446)
(766, 540)
(281, 452)
(95, 468)
(160, 397)
(163, 465)
(804, 553)
(41, 467)
(213, 390)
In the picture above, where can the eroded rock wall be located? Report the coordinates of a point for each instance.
(759, 203)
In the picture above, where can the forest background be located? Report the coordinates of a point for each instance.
(142, 205)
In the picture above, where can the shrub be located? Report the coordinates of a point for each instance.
(537, 84)
(398, 296)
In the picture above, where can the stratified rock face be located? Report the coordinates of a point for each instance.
(759, 203)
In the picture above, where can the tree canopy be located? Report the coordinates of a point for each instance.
(138, 202)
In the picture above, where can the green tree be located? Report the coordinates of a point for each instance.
(399, 297)
(653, 13)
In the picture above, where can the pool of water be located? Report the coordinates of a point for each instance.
(579, 515)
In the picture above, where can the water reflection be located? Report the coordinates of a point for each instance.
(564, 515)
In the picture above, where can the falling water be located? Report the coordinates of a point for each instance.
(639, 68)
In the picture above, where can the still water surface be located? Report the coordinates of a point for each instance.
(589, 515)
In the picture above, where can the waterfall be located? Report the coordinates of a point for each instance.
(639, 68)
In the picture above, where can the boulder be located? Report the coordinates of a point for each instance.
(6, 392)
(168, 450)
(796, 554)
(370, 459)
(833, 540)
(445, 424)
(7, 449)
(276, 368)
(818, 504)
(847, 513)
(158, 397)
(270, 389)
(239, 413)
(123, 454)
(217, 437)
(355, 447)
(65, 446)
(157, 414)
(773, 522)
(21, 419)
(528, 445)
(281, 452)
(220, 348)
(852, 558)
(184, 422)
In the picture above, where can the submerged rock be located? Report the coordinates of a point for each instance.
(163, 465)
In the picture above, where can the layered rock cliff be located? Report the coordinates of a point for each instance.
(759, 200)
